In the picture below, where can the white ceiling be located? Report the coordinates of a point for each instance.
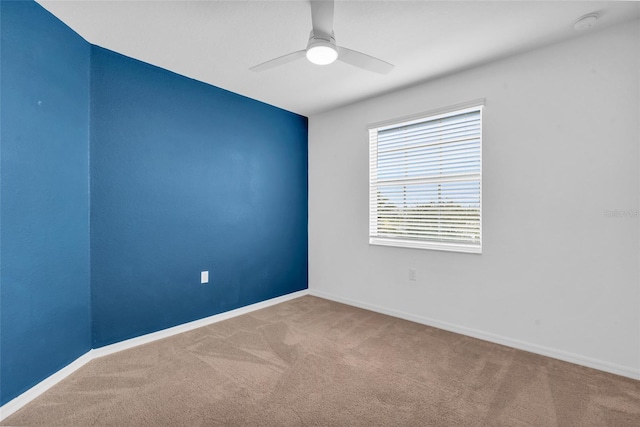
(217, 41)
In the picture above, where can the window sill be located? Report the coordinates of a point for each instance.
(413, 244)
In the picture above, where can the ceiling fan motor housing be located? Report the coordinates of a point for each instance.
(320, 37)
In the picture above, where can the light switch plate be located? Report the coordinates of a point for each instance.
(204, 277)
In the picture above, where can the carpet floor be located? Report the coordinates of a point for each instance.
(313, 362)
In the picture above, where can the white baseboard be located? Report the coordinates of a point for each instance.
(165, 333)
(577, 359)
(18, 402)
(44, 385)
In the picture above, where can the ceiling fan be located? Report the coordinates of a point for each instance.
(322, 49)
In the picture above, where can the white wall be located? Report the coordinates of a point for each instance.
(561, 146)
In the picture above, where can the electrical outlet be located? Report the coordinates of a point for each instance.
(412, 274)
(204, 277)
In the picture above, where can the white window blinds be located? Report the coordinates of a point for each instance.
(425, 182)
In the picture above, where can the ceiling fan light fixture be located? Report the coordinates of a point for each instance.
(321, 52)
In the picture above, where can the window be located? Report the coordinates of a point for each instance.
(425, 182)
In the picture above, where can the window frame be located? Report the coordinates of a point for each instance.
(473, 106)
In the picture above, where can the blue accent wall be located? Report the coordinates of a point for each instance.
(187, 177)
(183, 177)
(44, 196)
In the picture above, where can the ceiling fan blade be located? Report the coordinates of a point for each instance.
(285, 59)
(322, 18)
(364, 61)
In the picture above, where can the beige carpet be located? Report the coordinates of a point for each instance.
(314, 362)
